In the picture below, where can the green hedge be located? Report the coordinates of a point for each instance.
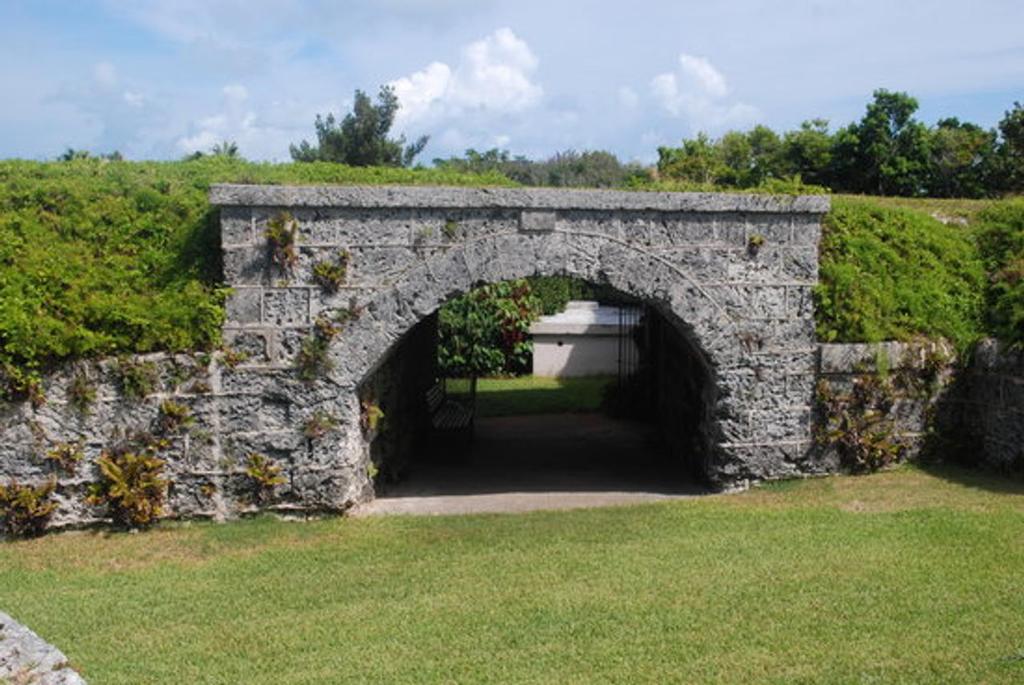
(894, 274)
(100, 257)
(1001, 241)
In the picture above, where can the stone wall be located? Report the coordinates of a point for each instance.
(991, 412)
(969, 412)
(732, 275)
(911, 386)
(229, 417)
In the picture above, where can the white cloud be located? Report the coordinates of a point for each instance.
(263, 128)
(698, 92)
(493, 75)
(704, 75)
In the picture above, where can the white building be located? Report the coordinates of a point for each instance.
(583, 340)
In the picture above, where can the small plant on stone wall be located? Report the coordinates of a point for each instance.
(371, 417)
(137, 378)
(199, 387)
(331, 275)
(319, 424)
(264, 475)
(350, 313)
(858, 424)
(282, 234)
(173, 416)
(34, 391)
(179, 373)
(451, 229)
(66, 456)
(422, 237)
(313, 359)
(232, 357)
(131, 483)
(25, 509)
(202, 436)
(920, 374)
(754, 244)
(81, 392)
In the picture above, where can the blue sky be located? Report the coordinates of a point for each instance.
(161, 78)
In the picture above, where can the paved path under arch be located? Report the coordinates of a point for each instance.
(528, 463)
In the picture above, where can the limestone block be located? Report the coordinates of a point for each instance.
(236, 226)
(244, 306)
(285, 307)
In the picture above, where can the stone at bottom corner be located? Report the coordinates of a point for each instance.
(26, 657)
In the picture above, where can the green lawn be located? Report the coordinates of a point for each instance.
(899, 577)
(534, 395)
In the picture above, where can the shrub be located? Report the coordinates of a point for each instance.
(486, 331)
(264, 475)
(858, 424)
(25, 510)
(131, 485)
(1001, 241)
(890, 273)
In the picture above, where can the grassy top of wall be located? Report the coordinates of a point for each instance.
(892, 273)
(1001, 242)
(104, 257)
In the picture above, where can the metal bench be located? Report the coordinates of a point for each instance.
(449, 416)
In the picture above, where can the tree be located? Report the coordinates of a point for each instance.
(225, 148)
(697, 161)
(751, 158)
(886, 152)
(588, 169)
(361, 138)
(962, 158)
(807, 152)
(1011, 149)
(71, 154)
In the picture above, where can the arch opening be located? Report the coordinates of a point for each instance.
(649, 433)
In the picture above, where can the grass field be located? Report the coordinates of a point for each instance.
(533, 394)
(900, 577)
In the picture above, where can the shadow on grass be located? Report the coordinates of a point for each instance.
(976, 477)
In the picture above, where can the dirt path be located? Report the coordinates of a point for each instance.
(526, 463)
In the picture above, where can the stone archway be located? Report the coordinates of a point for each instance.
(732, 273)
